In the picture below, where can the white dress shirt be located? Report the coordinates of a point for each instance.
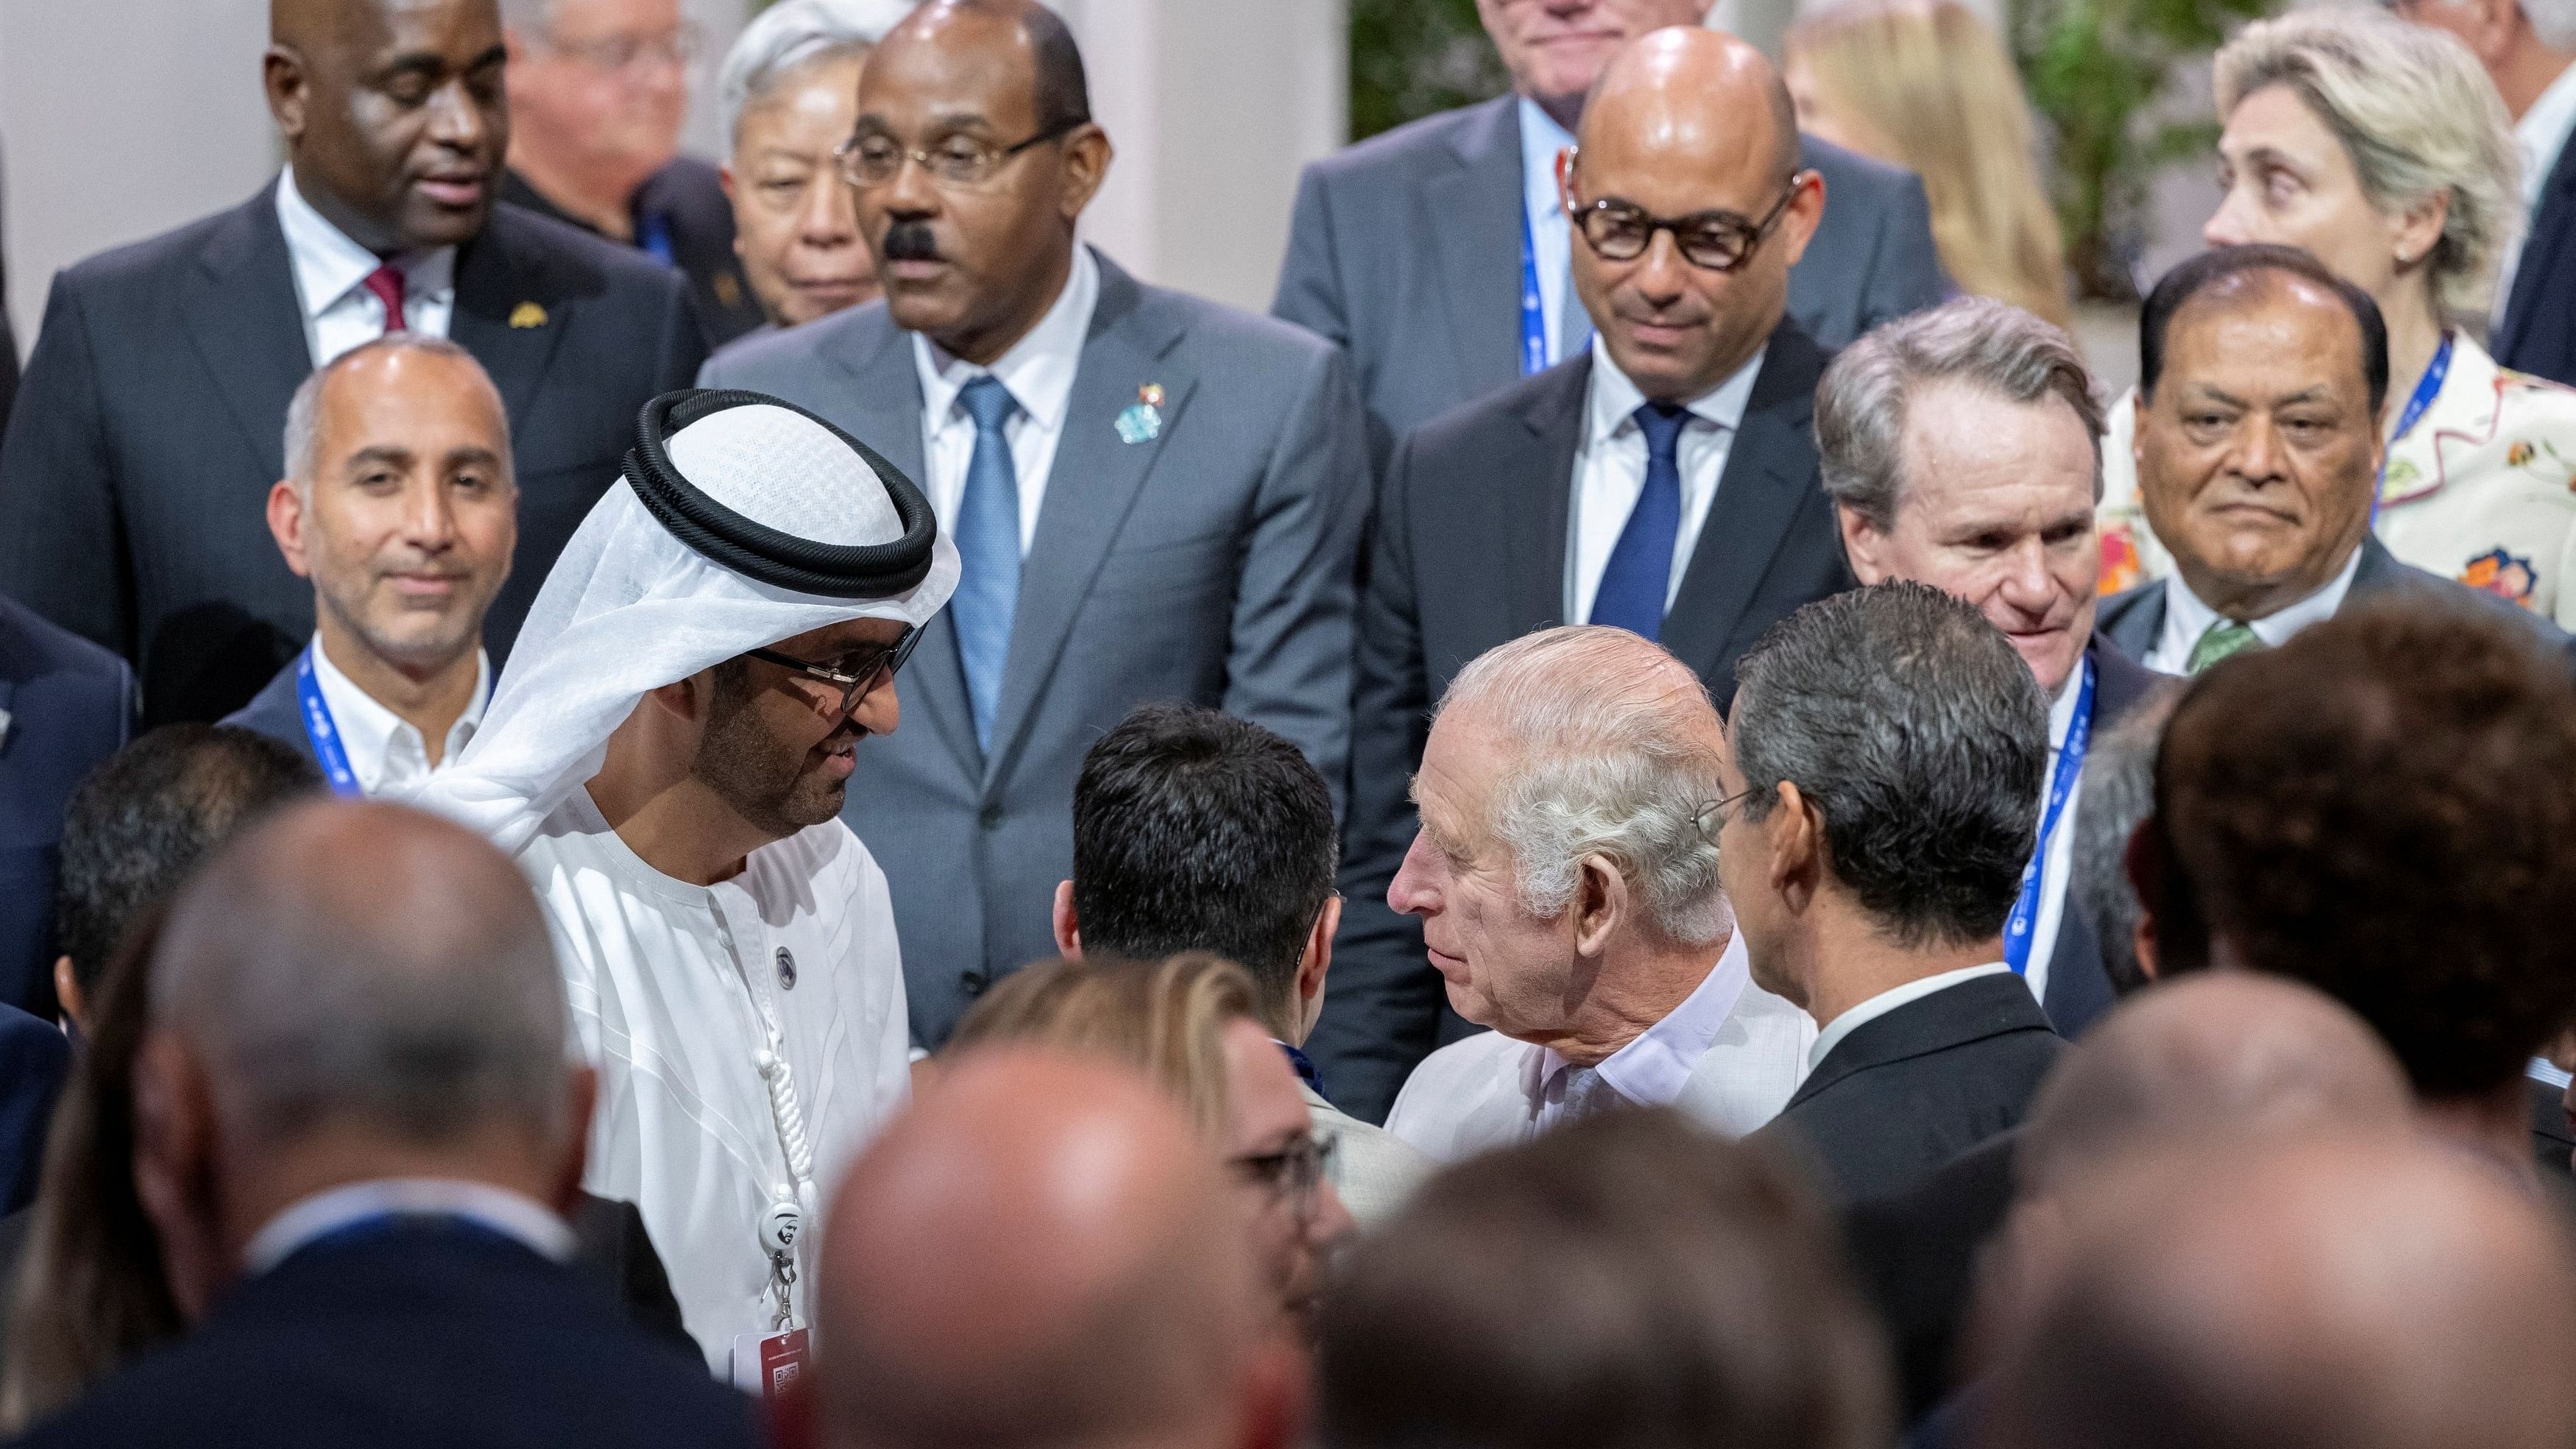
(494, 1209)
(1038, 370)
(330, 275)
(677, 991)
(2540, 135)
(2059, 863)
(1730, 1055)
(385, 750)
(2187, 618)
(1551, 240)
(1610, 471)
(1886, 1001)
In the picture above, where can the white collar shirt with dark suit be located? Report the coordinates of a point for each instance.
(134, 479)
(1210, 561)
(331, 271)
(1480, 538)
(1405, 248)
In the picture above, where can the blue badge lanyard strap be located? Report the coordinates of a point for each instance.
(2061, 788)
(321, 732)
(2427, 388)
(1533, 302)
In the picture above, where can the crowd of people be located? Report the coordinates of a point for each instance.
(664, 803)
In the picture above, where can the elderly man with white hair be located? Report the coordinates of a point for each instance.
(666, 756)
(1566, 877)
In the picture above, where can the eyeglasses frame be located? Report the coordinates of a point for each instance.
(1758, 232)
(845, 157)
(855, 688)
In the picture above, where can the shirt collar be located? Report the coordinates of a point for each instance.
(2187, 618)
(1889, 1000)
(1615, 399)
(520, 1219)
(329, 266)
(367, 729)
(1655, 1065)
(2542, 133)
(1039, 368)
(1541, 139)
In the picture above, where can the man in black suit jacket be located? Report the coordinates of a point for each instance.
(65, 705)
(393, 1269)
(1963, 449)
(1553, 502)
(1884, 754)
(133, 474)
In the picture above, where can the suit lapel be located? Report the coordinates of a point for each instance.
(1770, 472)
(882, 388)
(1090, 487)
(247, 324)
(1473, 217)
(1968, 1011)
(1534, 516)
(2378, 568)
(2134, 619)
(508, 312)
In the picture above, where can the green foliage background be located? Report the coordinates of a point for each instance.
(1410, 58)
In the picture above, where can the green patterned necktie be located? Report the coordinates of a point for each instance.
(2220, 640)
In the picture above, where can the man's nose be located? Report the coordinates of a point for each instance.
(1409, 894)
(830, 214)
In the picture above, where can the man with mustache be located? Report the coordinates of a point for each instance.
(1963, 449)
(398, 504)
(1662, 480)
(147, 436)
(2260, 380)
(1157, 498)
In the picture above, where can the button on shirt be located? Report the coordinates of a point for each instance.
(1887, 1001)
(1039, 371)
(2187, 618)
(1729, 1056)
(330, 278)
(385, 750)
(1551, 240)
(1610, 471)
(2540, 135)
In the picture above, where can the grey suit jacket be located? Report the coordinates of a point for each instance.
(1212, 563)
(2133, 618)
(1406, 250)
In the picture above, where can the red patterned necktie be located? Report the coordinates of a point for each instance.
(387, 284)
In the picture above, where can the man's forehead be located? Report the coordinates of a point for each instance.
(955, 68)
(2281, 334)
(408, 392)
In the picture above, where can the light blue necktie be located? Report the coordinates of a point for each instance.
(1639, 574)
(988, 545)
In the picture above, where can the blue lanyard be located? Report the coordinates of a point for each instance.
(321, 733)
(1533, 305)
(2061, 785)
(653, 234)
(2427, 387)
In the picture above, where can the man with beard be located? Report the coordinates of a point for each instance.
(667, 756)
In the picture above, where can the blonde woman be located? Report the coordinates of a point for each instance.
(1928, 86)
(1192, 1023)
(2381, 149)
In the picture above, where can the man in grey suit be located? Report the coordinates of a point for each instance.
(1438, 252)
(2260, 383)
(1154, 497)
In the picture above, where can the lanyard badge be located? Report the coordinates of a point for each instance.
(2061, 785)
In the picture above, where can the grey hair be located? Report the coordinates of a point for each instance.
(1920, 737)
(791, 35)
(1614, 754)
(414, 991)
(2119, 791)
(1864, 398)
(2414, 111)
(304, 410)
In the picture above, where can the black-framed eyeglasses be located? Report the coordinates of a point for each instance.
(1293, 1174)
(1717, 241)
(856, 673)
(873, 158)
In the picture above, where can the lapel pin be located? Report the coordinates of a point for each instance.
(527, 314)
(1143, 420)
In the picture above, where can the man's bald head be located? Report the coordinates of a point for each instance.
(365, 963)
(1038, 1251)
(2211, 1057)
(1686, 85)
(2360, 1293)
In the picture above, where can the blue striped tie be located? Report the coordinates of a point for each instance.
(988, 545)
(1639, 575)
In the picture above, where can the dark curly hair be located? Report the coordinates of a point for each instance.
(2385, 808)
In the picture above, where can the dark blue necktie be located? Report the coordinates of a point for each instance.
(988, 545)
(1639, 574)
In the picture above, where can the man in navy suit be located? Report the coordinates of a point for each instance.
(1963, 449)
(65, 705)
(362, 1136)
(146, 439)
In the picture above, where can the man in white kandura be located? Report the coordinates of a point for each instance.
(666, 757)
